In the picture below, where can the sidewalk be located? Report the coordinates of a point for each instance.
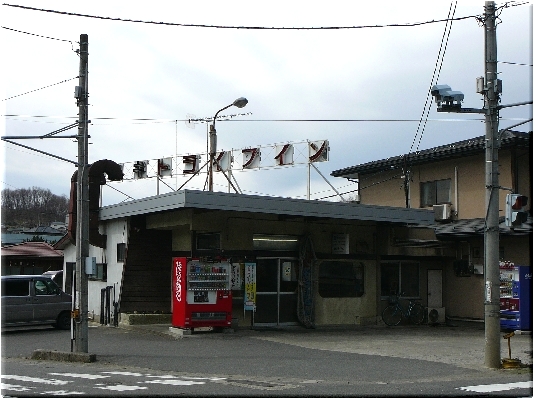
(461, 343)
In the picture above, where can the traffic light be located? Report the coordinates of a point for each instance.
(515, 209)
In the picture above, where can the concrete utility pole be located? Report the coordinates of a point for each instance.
(82, 223)
(492, 207)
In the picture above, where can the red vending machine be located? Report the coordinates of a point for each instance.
(202, 294)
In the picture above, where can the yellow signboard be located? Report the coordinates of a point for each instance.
(249, 298)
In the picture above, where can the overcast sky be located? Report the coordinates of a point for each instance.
(378, 77)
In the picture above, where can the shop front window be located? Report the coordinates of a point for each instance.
(341, 279)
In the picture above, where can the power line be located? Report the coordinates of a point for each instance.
(514, 63)
(241, 27)
(253, 120)
(440, 59)
(41, 36)
(44, 87)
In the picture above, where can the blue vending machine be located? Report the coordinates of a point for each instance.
(516, 297)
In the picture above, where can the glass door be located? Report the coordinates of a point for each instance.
(276, 291)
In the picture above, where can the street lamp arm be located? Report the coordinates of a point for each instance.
(523, 103)
(217, 113)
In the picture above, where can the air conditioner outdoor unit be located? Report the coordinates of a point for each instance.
(478, 269)
(442, 212)
(436, 315)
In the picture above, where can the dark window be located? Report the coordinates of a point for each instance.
(208, 241)
(70, 267)
(16, 288)
(121, 252)
(341, 279)
(435, 192)
(102, 273)
(401, 278)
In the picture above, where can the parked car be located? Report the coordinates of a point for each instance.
(34, 300)
(56, 276)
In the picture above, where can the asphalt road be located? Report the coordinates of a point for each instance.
(137, 363)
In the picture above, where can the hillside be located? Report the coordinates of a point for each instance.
(32, 207)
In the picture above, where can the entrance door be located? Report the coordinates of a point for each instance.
(434, 288)
(276, 291)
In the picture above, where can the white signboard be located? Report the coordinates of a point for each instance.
(340, 243)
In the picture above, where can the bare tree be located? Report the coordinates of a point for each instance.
(28, 207)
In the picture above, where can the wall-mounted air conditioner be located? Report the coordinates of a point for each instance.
(436, 315)
(478, 269)
(442, 212)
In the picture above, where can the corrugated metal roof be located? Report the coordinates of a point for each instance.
(453, 150)
(267, 205)
(31, 249)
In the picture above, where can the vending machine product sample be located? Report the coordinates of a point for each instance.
(202, 294)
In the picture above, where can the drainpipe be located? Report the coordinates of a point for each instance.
(456, 192)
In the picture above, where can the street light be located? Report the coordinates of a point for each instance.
(240, 103)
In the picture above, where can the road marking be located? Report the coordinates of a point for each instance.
(61, 393)
(175, 382)
(193, 377)
(126, 373)
(84, 376)
(121, 388)
(497, 387)
(15, 388)
(35, 380)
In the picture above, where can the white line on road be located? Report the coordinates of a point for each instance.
(121, 388)
(497, 387)
(34, 380)
(84, 376)
(15, 388)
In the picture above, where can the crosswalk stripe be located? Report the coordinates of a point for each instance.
(497, 387)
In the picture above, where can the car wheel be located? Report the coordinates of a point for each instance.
(64, 320)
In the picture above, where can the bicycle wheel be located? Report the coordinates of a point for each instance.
(392, 315)
(417, 314)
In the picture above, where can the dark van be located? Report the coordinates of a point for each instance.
(34, 300)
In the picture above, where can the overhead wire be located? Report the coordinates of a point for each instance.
(155, 120)
(41, 36)
(44, 87)
(438, 66)
(427, 106)
(236, 27)
(514, 63)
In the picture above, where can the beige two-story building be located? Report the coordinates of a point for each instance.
(450, 180)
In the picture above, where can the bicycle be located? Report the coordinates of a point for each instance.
(393, 313)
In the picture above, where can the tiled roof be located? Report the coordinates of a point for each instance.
(31, 249)
(453, 150)
(475, 227)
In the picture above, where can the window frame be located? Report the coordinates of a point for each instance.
(431, 194)
(102, 273)
(358, 285)
(207, 237)
(121, 252)
(400, 283)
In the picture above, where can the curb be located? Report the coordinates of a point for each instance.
(53, 355)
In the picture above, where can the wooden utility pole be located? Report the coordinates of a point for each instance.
(492, 228)
(82, 223)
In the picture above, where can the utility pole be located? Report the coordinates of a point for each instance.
(449, 101)
(82, 224)
(492, 228)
